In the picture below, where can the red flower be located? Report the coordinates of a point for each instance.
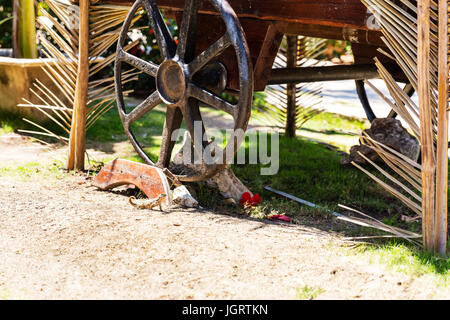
(245, 198)
(280, 217)
(248, 200)
(255, 200)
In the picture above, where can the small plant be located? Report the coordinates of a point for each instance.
(308, 293)
(4, 294)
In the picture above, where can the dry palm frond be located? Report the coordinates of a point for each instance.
(58, 36)
(308, 95)
(371, 222)
(400, 28)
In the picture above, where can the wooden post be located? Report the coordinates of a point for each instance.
(440, 231)
(426, 139)
(77, 139)
(291, 112)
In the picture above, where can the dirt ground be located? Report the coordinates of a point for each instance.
(63, 239)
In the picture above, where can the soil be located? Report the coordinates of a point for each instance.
(64, 239)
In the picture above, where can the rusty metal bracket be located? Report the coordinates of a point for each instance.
(151, 180)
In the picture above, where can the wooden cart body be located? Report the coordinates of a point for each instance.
(266, 21)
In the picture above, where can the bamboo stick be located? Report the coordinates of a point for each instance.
(440, 231)
(426, 137)
(78, 129)
(62, 139)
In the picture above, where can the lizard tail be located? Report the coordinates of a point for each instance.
(130, 200)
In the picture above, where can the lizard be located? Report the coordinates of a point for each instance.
(152, 203)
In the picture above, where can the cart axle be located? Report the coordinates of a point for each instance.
(325, 73)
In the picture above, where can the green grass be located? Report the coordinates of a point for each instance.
(147, 130)
(334, 123)
(9, 122)
(4, 294)
(337, 130)
(34, 170)
(334, 129)
(308, 293)
(12, 122)
(109, 127)
(312, 172)
(401, 257)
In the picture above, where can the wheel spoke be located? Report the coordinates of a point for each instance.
(163, 36)
(212, 100)
(148, 67)
(193, 119)
(209, 54)
(188, 31)
(145, 106)
(172, 123)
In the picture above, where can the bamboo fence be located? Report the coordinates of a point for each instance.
(416, 33)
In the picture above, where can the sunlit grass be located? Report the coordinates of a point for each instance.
(4, 294)
(410, 260)
(31, 170)
(308, 293)
(9, 122)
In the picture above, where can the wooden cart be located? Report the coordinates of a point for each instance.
(231, 46)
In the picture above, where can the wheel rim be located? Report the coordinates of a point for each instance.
(362, 95)
(174, 82)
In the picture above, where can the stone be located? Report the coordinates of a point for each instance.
(389, 132)
(183, 197)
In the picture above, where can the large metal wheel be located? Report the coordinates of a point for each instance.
(176, 88)
(362, 95)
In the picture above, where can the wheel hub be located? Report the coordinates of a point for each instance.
(171, 82)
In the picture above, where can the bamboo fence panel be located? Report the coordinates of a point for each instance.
(78, 37)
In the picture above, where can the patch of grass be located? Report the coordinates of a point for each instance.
(308, 293)
(5, 294)
(6, 128)
(312, 172)
(290, 209)
(9, 122)
(208, 197)
(402, 257)
(147, 131)
(334, 129)
(331, 122)
(34, 169)
(330, 128)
